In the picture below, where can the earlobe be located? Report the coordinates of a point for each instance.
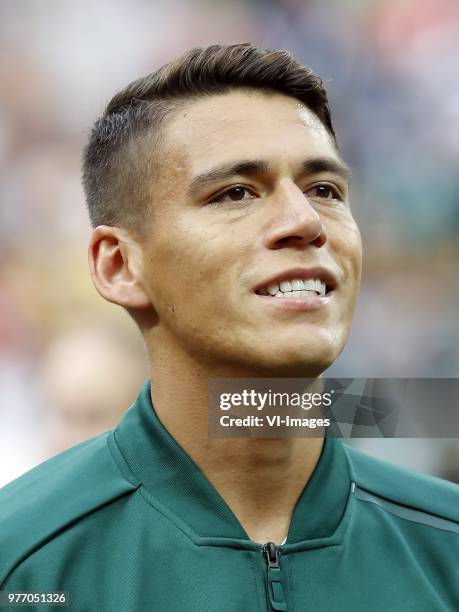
(114, 264)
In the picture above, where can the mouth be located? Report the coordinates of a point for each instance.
(299, 283)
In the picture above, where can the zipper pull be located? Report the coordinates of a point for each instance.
(275, 588)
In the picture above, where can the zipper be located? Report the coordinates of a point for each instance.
(276, 594)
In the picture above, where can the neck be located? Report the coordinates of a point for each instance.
(260, 479)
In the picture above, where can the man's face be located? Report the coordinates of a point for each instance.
(251, 195)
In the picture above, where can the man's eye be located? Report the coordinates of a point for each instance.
(235, 194)
(325, 192)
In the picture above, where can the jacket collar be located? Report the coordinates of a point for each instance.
(171, 477)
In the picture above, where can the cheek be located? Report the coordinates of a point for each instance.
(346, 246)
(355, 254)
(187, 269)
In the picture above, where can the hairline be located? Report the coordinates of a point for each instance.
(154, 137)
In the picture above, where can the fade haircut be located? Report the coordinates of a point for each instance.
(119, 160)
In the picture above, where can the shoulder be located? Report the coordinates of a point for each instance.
(393, 487)
(45, 501)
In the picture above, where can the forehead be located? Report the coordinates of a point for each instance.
(244, 125)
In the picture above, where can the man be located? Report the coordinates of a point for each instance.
(216, 189)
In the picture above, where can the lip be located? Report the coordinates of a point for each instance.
(301, 304)
(324, 274)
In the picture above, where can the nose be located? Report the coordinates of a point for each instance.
(295, 222)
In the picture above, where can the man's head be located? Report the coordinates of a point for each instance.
(210, 182)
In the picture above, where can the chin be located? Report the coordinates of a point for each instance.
(297, 360)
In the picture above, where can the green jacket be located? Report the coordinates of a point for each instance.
(127, 521)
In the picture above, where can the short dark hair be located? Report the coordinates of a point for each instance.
(117, 166)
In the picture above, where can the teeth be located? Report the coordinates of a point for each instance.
(296, 288)
(297, 285)
(315, 285)
(297, 294)
(285, 286)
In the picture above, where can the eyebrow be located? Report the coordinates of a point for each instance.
(255, 167)
(258, 167)
(327, 164)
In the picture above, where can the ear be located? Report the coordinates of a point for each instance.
(115, 264)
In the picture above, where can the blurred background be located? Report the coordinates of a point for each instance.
(70, 363)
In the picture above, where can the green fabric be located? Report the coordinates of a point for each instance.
(127, 521)
(408, 513)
